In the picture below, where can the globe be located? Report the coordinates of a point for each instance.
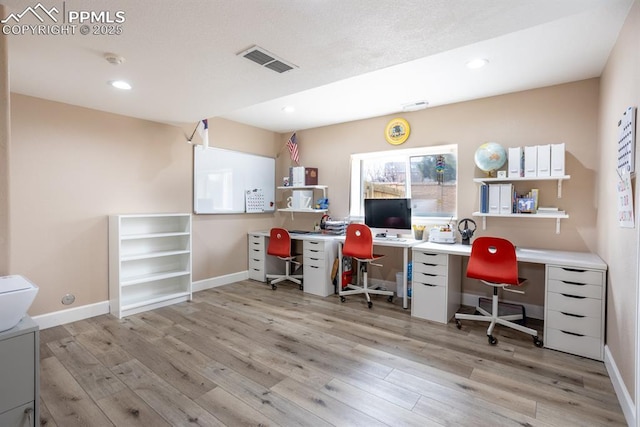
(490, 157)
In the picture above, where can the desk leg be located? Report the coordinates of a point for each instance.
(339, 278)
(405, 266)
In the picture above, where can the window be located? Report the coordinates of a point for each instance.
(427, 175)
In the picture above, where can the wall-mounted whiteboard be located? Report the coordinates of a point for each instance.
(223, 181)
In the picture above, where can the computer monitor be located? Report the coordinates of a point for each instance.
(388, 217)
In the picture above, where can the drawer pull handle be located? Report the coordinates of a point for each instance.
(572, 333)
(256, 259)
(573, 315)
(573, 283)
(430, 265)
(572, 296)
(429, 274)
(314, 259)
(428, 284)
(575, 270)
(313, 266)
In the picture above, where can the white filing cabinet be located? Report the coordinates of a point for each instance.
(318, 257)
(436, 286)
(574, 311)
(260, 263)
(19, 375)
(256, 256)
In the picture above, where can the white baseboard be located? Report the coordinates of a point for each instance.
(214, 282)
(624, 398)
(56, 318)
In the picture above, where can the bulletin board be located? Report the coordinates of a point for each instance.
(223, 178)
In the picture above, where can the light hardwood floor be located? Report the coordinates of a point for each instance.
(243, 354)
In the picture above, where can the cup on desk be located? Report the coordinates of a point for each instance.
(418, 232)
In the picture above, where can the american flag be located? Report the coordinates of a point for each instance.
(203, 131)
(292, 145)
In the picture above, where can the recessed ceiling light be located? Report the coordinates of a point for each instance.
(477, 63)
(289, 109)
(120, 84)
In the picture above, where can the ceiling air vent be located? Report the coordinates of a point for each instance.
(267, 59)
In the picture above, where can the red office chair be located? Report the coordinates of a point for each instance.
(493, 261)
(359, 245)
(280, 246)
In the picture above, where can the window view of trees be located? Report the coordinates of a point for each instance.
(431, 182)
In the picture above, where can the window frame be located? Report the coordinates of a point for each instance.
(356, 201)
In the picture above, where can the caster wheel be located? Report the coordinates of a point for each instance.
(492, 340)
(301, 287)
(370, 304)
(342, 299)
(537, 341)
(390, 299)
(274, 287)
(458, 324)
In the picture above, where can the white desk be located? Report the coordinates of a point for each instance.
(575, 284)
(575, 290)
(404, 244)
(319, 253)
(536, 256)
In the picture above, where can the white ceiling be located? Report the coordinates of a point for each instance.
(356, 58)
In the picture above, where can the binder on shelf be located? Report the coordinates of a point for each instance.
(544, 160)
(296, 176)
(516, 162)
(506, 199)
(557, 159)
(531, 161)
(484, 198)
(494, 198)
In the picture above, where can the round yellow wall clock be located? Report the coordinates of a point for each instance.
(397, 131)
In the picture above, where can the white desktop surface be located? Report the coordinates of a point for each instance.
(537, 256)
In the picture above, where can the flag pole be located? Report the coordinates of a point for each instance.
(193, 133)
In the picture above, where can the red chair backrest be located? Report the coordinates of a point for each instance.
(493, 259)
(359, 242)
(279, 243)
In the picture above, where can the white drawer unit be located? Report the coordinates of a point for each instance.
(317, 263)
(256, 257)
(149, 261)
(436, 286)
(574, 311)
(259, 262)
(20, 375)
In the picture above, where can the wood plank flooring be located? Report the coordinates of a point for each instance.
(245, 355)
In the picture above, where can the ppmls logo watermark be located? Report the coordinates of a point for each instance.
(40, 20)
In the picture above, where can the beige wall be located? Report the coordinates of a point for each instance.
(220, 241)
(566, 113)
(5, 135)
(620, 88)
(72, 166)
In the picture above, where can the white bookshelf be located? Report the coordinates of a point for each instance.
(149, 261)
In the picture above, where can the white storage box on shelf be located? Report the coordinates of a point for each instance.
(16, 296)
